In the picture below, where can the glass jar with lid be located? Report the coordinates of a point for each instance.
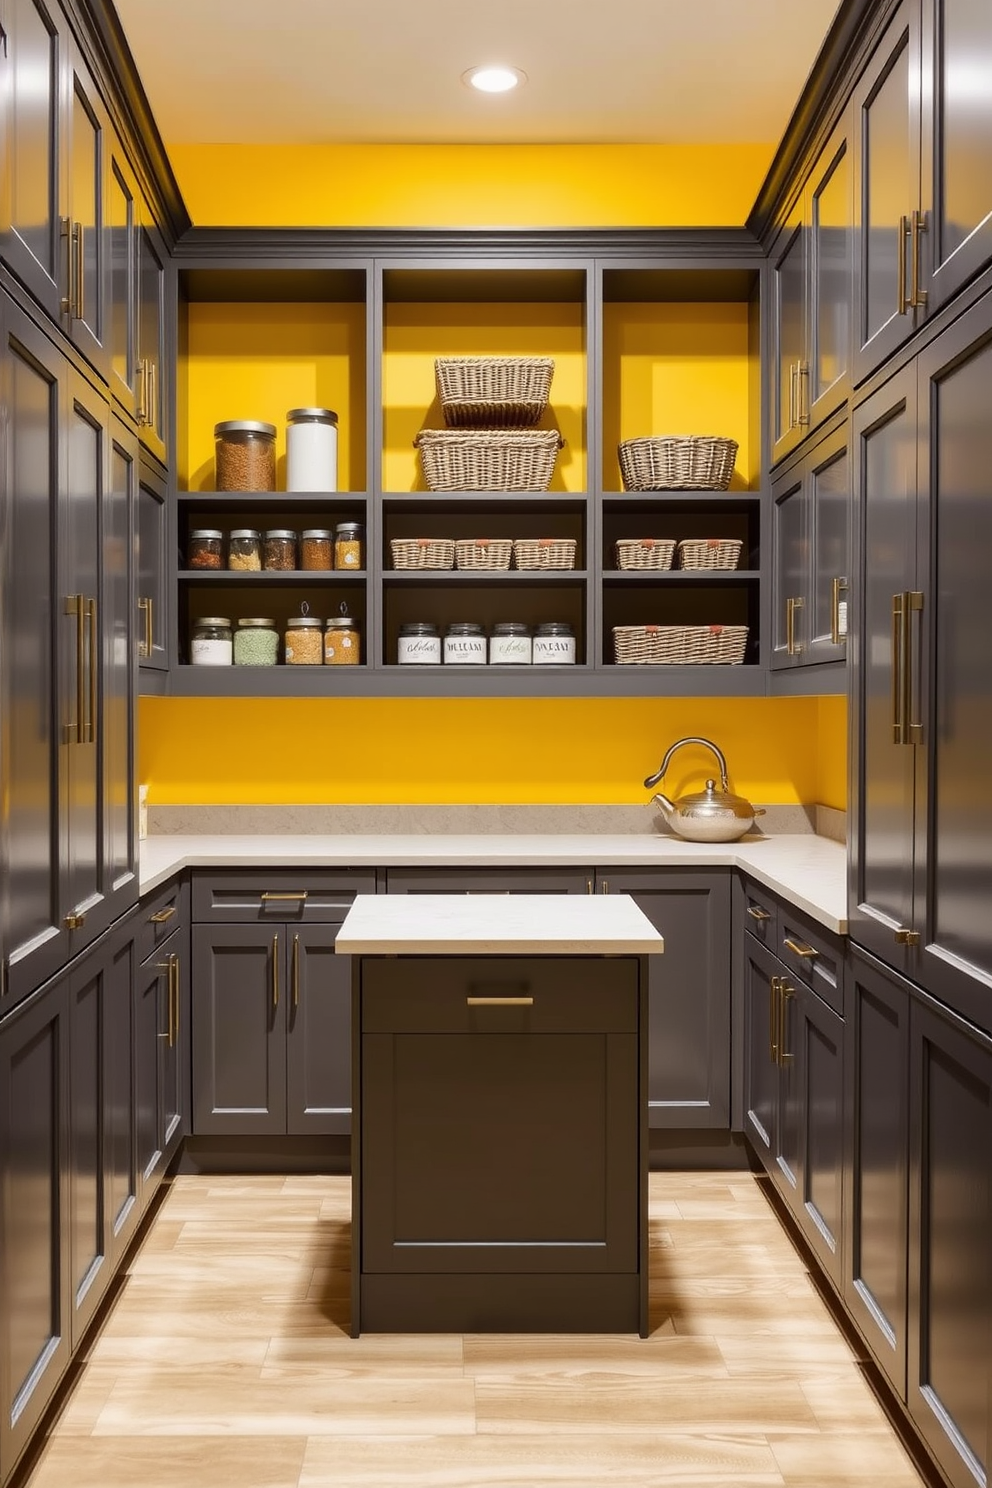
(312, 449)
(304, 641)
(279, 550)
(205, 548)
(510, 644)
(465, 644)
(554, 644)
(316, 548)
(210, 641)
(348, 545)
(418, 644)
(244, 551)
(245, 455)
(342, 644)
(256, 642)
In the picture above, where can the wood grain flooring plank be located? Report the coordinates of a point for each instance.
(605, 1405)
(513, 1356)
(845, 1460)
(186, 1462)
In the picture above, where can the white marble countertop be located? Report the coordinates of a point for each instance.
(809, 871)
(496, 924)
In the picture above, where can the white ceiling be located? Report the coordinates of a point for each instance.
(349, 71)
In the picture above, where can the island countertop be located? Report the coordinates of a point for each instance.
(496, 924)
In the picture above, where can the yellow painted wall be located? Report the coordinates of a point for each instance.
(470, 185)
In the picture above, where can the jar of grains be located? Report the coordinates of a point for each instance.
(554, 644)
(312, 450)
(316, 548)
(245, 455)
(348, 545)
(244, 551)
(205, 548)
(342, 646)
(279, 550)
(509, 644)
(210, 643)
(304, 641)
(256, 643)
(419, 644)
(465, 643)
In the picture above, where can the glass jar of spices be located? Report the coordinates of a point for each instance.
(205, 548)
(348, 545)
(554, 644)
(465, 644)
(210, 642)
(510, 644)
(256, 643)
(418, 644)
(279, 551)
(244, 551)
(342, 646)
(245, 455)
(304, 641)
(316, 548)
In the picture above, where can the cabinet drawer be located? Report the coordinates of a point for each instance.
(487, 994)
(761, 914)
(812, 955)
(285, 894)
(158, 916)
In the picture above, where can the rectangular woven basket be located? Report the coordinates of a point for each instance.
(668, 463)
(422, 552)
(493, 391)
(483, 552)
(680, 645)
(645, 552)
(709, 552)
(544, 552)
(488, 459)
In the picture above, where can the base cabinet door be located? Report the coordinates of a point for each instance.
(761, 1070)
(318, 1034)
(819, 1053)
(161, 1056)
(239, 1037)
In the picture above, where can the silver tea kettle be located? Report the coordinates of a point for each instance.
(709, 815)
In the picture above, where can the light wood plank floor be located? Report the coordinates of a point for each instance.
(225, 1363)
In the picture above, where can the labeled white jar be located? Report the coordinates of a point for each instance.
(465, 644)
(212, 643)
(418, 644)
(311, 449)
(554, 644)
(510, 644)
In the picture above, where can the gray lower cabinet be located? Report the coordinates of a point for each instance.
(490, 880)
(688, 993)
(161, 1059)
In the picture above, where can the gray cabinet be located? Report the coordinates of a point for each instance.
(152, 571)
(688, 993)
(811, 516)
(161, 1058)
(490, 880)
(150, 366)
(31, 80)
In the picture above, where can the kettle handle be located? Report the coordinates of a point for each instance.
(693, 739)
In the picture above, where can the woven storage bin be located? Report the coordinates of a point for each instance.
(483, 552)
(645, 552)
(493, 391)
(696, 463)
(680, 645)
(488, 459)
(709, 552)
(544, 552)
(423, 552)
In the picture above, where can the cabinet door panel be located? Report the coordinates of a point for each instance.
(150, 1024)
(87, 316)
(790, 567)
(151, 335)
(821, 1057)
(122, 279)
(153, 582)
(29, 190)
(761, 1071)
(117, 641)
(788, 1156)
(120, 1144)
(239, 1032)
(831, 278)
(830, 517)
(318, 1049)
(788, 331)
(89, 1236)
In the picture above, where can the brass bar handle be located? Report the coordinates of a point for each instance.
(898, 626)
(140, 391)
(589, 886)
(75, 605)
(914, 726)
(797, 604)
(793, 370)
(74, 921)
(169, 966)
(773, 989)
(275, 972)
(838, 624)
(804, 399)
(151, 410)
(907, 937)
(91, 728)
(68, 300)
(800, 948)
(296, 971)
(78, 245)
(499, 1001)
(605, 886)
(161, 916)
(904, 231)
(297, 896)
(176, 964)
(917, 296)
(758, 914)
(786, 992)
(790, 627)
(145, 645)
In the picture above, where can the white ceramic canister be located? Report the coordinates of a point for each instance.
(418, 644)
(554, 644)
(465, 644)
(311, 449)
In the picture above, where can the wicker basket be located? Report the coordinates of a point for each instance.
(423, 552)
(493, 391)
(645, 552)
(680, 645)
(544, 552)
(696, 463)
(483, 552)
(709, 552)
(488, 459)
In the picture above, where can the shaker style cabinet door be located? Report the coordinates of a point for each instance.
(318, 1033)
(30, 148)
(150, 406)
(152, 616)
(122, 278)
(86, 132)
(811, 517)
(789, 290)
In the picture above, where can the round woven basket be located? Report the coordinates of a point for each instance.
(493, 391)
(667, 463)
(488, 459)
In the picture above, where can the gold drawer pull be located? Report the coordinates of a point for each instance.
(500, 1001)
(758, 914)
(160, 916)
(296, 895)
(799, 949)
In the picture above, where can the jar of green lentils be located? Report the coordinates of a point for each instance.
(256, 642)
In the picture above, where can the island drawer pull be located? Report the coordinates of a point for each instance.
(297, 895)
(799, 949)
(162, 915)
(499, 1001)
(758, 914)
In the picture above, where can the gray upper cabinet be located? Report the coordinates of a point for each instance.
(122, 211)
(31, 83)
(150, 373)
(811, 516)
(152, 613)
(86, 138)
(811, 273)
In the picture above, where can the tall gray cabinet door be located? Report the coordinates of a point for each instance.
(116, 637)
(788, 330)
(89, 1231)
(957, 147)
(688, 994)
(876, 1066)
(819, 1053)
(790, 568)
(29, 151)
(318, 1045)
(239, 1029)
(954, 816)
(119, 1094)
(34, 1319)
(35, 942)
(950, 1359)
(881, 894)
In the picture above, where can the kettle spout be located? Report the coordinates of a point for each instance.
(665, 806)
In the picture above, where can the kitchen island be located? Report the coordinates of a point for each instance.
(499, 1148)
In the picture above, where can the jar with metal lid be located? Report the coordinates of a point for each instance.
(554, 644)
(342, 644)
(465, 644)
(256, 643)
(279, 551)
(304, 641)
(312, 449)
(348, 545)
(510, 644)
(418, 644)
(316, 548)
(210, 642)
(205, 548)
(245, 455)
(244, 551)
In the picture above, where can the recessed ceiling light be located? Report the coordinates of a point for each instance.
(494, 79)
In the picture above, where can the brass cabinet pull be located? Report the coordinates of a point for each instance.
(917, 296)
(73, 733)
(152, 395)
(589, 887)
(175, 961)
(773, 986)
(68, 300)
(838, 632)
(904, 232)
(499, 1001)
(74, 921)
(172, 992)
(145, 607)
(140, 393)
(296, 971)
(913, 604)
(91, 619)
(78, 250)
(792, 646)
(275, 972)
(804, 396)
(793, 379)
(907, 937)
(758, 914)
(296, 895)
(605, 886)
(799, 948)
(785, 992)
(162, 915)
(898, 629)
